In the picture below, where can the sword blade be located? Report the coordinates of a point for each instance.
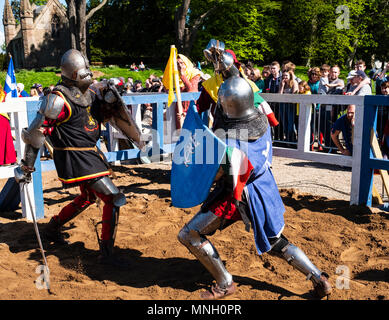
(35, 225)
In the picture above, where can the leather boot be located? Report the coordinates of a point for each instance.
(52, 232)
(322, 288)
(106, 255)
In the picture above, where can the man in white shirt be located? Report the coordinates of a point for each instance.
(358, 87)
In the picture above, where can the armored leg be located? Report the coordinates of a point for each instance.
(113, 200)
(193, 236)
(298, 259)
(52, 231)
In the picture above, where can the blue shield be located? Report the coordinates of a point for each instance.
(196, 160)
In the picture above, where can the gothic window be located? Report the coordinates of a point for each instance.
(55, 26)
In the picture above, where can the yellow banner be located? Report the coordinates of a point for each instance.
(168, 75)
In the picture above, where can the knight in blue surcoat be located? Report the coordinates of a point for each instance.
(242, 126)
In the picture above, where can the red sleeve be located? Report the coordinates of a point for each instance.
(204, 102)
(272, 120)
(49, 124)
(191, 85)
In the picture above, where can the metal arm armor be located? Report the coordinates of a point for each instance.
(33, 137)
(52, 106)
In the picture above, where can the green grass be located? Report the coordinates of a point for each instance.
(28, 78)
(112, 72)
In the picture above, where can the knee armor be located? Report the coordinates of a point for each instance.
(295, 257)
(107, 187)
(193, 236)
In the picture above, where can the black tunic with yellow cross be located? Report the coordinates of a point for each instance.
(74, 137)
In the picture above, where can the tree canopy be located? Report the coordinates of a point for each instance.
(308, 32)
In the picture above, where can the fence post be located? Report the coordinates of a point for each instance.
(35, 188)
(362, 175)
(157, 131)
(304, 129)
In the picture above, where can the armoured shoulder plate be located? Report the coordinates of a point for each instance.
(75, 95)
(51, 106)
(236, 98)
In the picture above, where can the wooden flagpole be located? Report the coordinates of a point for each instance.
(178, 92)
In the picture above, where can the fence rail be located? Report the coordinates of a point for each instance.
(362, 161)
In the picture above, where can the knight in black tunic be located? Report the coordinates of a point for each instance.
(72, 114)
(74, 138)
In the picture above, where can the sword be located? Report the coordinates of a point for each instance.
(47, 271)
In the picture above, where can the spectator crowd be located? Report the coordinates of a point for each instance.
(331, 125)
(327, 130)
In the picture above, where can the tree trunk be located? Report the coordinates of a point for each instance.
(312, 42)
(71, 13)
(191, 34)
(180, 22)
(351, 57)
(78, 18)
(186, 36)
(81, 21)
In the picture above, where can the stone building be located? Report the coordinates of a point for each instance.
(41, 37)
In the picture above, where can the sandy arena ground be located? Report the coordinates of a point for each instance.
(341, 240)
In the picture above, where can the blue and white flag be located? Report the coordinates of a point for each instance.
(10, 82)
(196, 160)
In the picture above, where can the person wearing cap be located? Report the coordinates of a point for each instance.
(39, 89)
(358, 85)
(360, 67)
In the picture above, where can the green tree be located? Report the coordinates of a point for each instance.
(78, 17)
(308, 32)
(15, 4)
(375, 41)
(311, 32)
(245, 27)
(124, 30)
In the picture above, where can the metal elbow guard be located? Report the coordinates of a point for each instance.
(35, 137)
